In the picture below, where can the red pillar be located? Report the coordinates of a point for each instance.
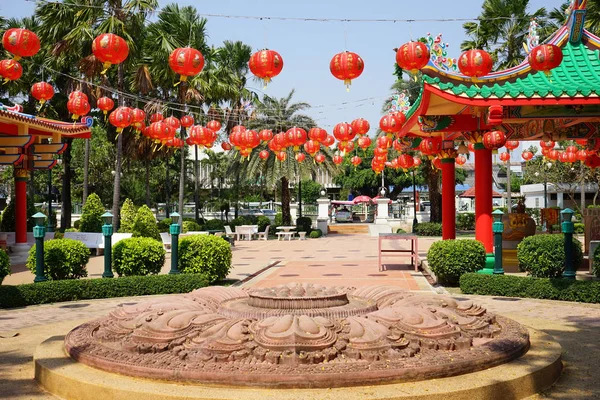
(483, 197)
(448, 202)
(21, 176)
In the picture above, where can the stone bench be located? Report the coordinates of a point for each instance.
(301, 235)
(289, 235)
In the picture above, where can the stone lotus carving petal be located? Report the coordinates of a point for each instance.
(318, 337)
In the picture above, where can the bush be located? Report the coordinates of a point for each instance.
(262, 223)
(91, 216)
(303, 224)
(83, 289)
(128, 212)
(214, 225)
(76, 226)
(543, 256)
(315, 234)
(190, 226)
(164, 224)
(243, 220)
(536, 288)
(7, 223)
(4, 265)
(278, 221)
(145, 224)
(428, 229)
(205, 254)
(449, 259)
(400, 230)
(138, 256)
(579, 228)
(465, 221)
(595, 263)
(63, 259)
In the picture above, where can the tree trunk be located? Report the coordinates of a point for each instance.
(117, 181)
(285, 202)
(435, 197)
(147, 162)
(66, 206)
(86, 166)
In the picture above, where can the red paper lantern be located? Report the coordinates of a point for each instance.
(390, 123)
(567, 157)
(159, 131)
(405, 161)
(78, 106)
(42, 91)
(504, 157)
(494, 140)
(105, 104)
(296, 137)
(156, 117)
(364, 142)
(227, 146)
(547, 144)
(337, 159)
(110, 49)
(249, 139)
(592, 161)
(461, 160)
(121, 118)
(384, 142)
(279, 142)
(265, 135)
(186, 61)
(346, 66)
(581, 142)
(346, 147)
(137, 118)
(581, 155)
(475, 63)
(412, 56)
(213, 125)
(266, 64)
(245, 152)
(187, 121)
(173, 123)
(471, 147)
(10, 70)
(21, 42)
(343, 132)
(430, 146)
(377, 166)
(311, 147)
(356, 160)
(511, 144)
(545, 57)
(571, 149)
(264, 154)
(380, 152)
(418, 161)
(281, 155)
(330, 140)
(300, 157)
(319, 157)
(317, 134)
(437, 162)
(553, 155)
(360, 126)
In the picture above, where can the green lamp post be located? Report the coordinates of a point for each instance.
(498, 228)
(39, 231)
(566, 217)
(174, 230)
(107, 231)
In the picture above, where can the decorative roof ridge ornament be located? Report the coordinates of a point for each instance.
(533, 38)
(439, 54)
(399, 102)
(576, 20)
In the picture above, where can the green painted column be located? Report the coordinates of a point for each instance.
(498, 228)
(567, 229)
(39, 231)
(174, 230)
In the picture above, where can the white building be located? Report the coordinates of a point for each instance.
(558, 194)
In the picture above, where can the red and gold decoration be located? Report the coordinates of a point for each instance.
(405, 161)
(78, 104)
(105, 104)
(10, 70)
(317, 134)
(20, 43)
(494, 140)
(412, 56)
(266, 64)
(527, 155)
(187, 121)
(138, 118)
(346, 66)
(356, 160)
(121, 118)
(391, 123)
(545, 57)
(581, 155)
(265, 135)
(511, 144)
(156, 117)
(312, 147)
(360, 126)
(430, 146)
(504, 157)
(300, 157)
(227, 146)
(475, 63)
(320, 158)
(296, 137)
(214, 125)
(364, 142)
(337, 159)
(110, 49)
(186, 62)
(343, 132)
(42, 92)
(264, 154)
(461, 160)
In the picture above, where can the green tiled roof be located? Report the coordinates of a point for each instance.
(578, 74)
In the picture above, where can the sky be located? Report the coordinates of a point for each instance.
(307, 47)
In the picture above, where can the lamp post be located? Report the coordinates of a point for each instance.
(107, 231)
(415, 221)
(566, 216)
(498, 228)
(174, 230)
(39, 231)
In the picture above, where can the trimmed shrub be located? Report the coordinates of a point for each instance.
(63, 259)
(579, 228)
(7, 223)
(243, 220)
(145, 224)
(315, 234)
(138, 256)
(76, 226)
(4, 265)
(214, 225)
(400, 230)
(543, 256)
(527, 287)
(205, 254)
(449, 259)
(595, 262)
(164, 224)
(83, 289)
(128, 213)
(278, 221)
(303, 224)
(428, 229)
(465, 221)
(190, 226)
(262, 223)
(91, 215)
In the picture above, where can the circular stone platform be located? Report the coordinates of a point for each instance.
(298, 336)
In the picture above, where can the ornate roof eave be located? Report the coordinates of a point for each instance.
(81, 130)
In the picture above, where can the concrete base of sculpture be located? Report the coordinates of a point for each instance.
(537, 370)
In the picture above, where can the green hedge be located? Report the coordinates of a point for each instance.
(91, 215)
(315, 234)
(63, 259)
(138, 256)
(262, 223)
(595, 262)
(190, 226)
(4, 265)
(543, 256)
(84, 289)
(449, 259)
(145, 224)
(303, 224)
(163, 225)
(536, 288)
(465, 221)
(205, 254)
(579, 228)
(428, 229)
(213, 225)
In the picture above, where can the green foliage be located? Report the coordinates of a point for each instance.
(128, 213)
(543, 256)
(527, 287)
(4, 265)
(278, 221)
(164, 224)
(579, 228)
(145, 225)
(7, 223)
(243, 220)
(311, 191)
(465, 221)
(449, 259)
(595, 262)
(214, 225)
(428, 229)
(63, 259)
(315, 234)
(262, 223)
(205, 254)
(76, 225)
(190, 226)
(400, 230)
(303, 224)
(83, 289)
(138, 256)
(91, 216)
